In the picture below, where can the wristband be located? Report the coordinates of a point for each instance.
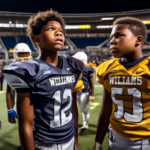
(98, 146)
(9, 110)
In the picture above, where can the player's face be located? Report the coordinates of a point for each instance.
(122, 41)
(52, 36)
(23, 54)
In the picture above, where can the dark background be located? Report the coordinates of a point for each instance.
(74, 6)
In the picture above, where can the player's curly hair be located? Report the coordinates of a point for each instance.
(136, 26)
(36, 22)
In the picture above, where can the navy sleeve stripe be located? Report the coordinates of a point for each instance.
(23, 90)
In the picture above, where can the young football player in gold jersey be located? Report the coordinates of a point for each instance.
(126, 82)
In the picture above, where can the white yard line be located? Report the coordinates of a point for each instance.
(2, 92)
(98, 85)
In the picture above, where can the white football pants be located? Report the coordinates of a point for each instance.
(118, 142)
(83, 99)
(65, 146)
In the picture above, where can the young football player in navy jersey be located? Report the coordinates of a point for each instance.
(87, 93)
(126, 98)
(22, 52)
(44, 88)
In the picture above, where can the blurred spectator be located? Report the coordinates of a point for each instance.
(1, 76)
(97, 61)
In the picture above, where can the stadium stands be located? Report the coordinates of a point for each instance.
(94, 47)
(81, 43)
(148, 40)
(9, 42)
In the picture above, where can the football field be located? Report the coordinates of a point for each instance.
(9, 137)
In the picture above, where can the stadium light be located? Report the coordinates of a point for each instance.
(104, 26)
(10, 25)
(10, 22)
(84, 26)
(146, 22)
(78, 27)
(71, 27)
(107, 18)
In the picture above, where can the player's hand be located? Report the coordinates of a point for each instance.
(12, 116)
(91, 99)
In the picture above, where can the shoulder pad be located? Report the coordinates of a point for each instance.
(89, 69)
(75, 63)
(101, 69)
(105, 65)
(24, 71)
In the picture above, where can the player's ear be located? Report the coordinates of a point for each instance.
(36, 40)
(139, 40)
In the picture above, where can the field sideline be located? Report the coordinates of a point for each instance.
(9, 138)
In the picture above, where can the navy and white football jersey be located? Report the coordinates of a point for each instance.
(51, 90)
(85, 78)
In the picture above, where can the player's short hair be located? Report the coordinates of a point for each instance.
(36, 22)
(136, 26)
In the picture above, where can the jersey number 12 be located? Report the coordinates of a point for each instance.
(60, 118)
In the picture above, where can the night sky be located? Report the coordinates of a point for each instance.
(74, 6)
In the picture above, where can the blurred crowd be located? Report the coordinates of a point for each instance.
(99, 57)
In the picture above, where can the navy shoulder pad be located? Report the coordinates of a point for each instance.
(89, 69)
(75, 63)
(25, 71)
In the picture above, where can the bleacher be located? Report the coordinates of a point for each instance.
(81, 43)
(9, 42)
(146, 46)
(148, 40)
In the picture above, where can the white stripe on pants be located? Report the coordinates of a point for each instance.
(65, 146)
(83, 99)
(118, 142)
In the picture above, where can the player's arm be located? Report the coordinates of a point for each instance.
(75, 116)
(25, 113)
(8, 97)
(103, 120)
(11, 113)
(91, 80)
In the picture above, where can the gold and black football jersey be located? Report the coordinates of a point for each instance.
(129, 87)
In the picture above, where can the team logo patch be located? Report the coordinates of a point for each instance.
(47, 71)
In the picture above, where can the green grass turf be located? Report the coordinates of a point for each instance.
(9, 137)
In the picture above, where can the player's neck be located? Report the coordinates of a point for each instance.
(132, 57)
(50, 57)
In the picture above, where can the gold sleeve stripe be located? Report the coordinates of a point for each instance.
(79, 86)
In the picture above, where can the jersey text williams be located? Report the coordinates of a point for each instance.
(125, 80)
(62, 80)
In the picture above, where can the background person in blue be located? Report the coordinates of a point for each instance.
(44, 88)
